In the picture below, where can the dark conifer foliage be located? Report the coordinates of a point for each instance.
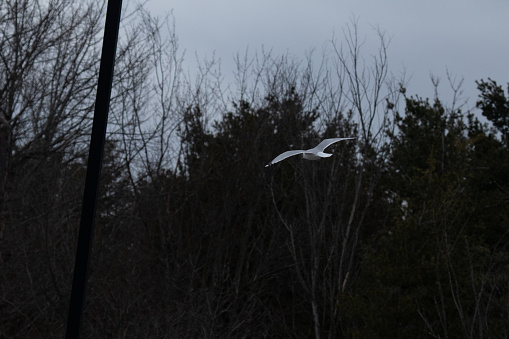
(494, 104)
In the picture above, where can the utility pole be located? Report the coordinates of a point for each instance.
(94, 165)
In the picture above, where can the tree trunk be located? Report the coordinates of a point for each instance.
(5, 140)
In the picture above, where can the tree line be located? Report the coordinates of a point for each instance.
(401, 233)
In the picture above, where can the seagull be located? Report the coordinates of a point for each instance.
(314, 153)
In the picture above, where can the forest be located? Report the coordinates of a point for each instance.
(402, 233)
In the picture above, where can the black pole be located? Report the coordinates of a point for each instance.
(95, 155)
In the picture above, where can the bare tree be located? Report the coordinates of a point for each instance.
(49, 59)
(48, 75)
(337, 195)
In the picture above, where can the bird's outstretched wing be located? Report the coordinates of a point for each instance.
(326, 143)
(284, 155)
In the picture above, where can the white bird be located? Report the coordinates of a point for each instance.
(314, 153)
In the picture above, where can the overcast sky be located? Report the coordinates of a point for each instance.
(470, 38)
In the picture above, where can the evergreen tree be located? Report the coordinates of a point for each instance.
(431, 269)
(494, 105)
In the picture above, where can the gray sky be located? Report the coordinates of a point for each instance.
(470, 38)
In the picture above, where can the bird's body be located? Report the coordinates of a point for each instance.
(314, 153)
